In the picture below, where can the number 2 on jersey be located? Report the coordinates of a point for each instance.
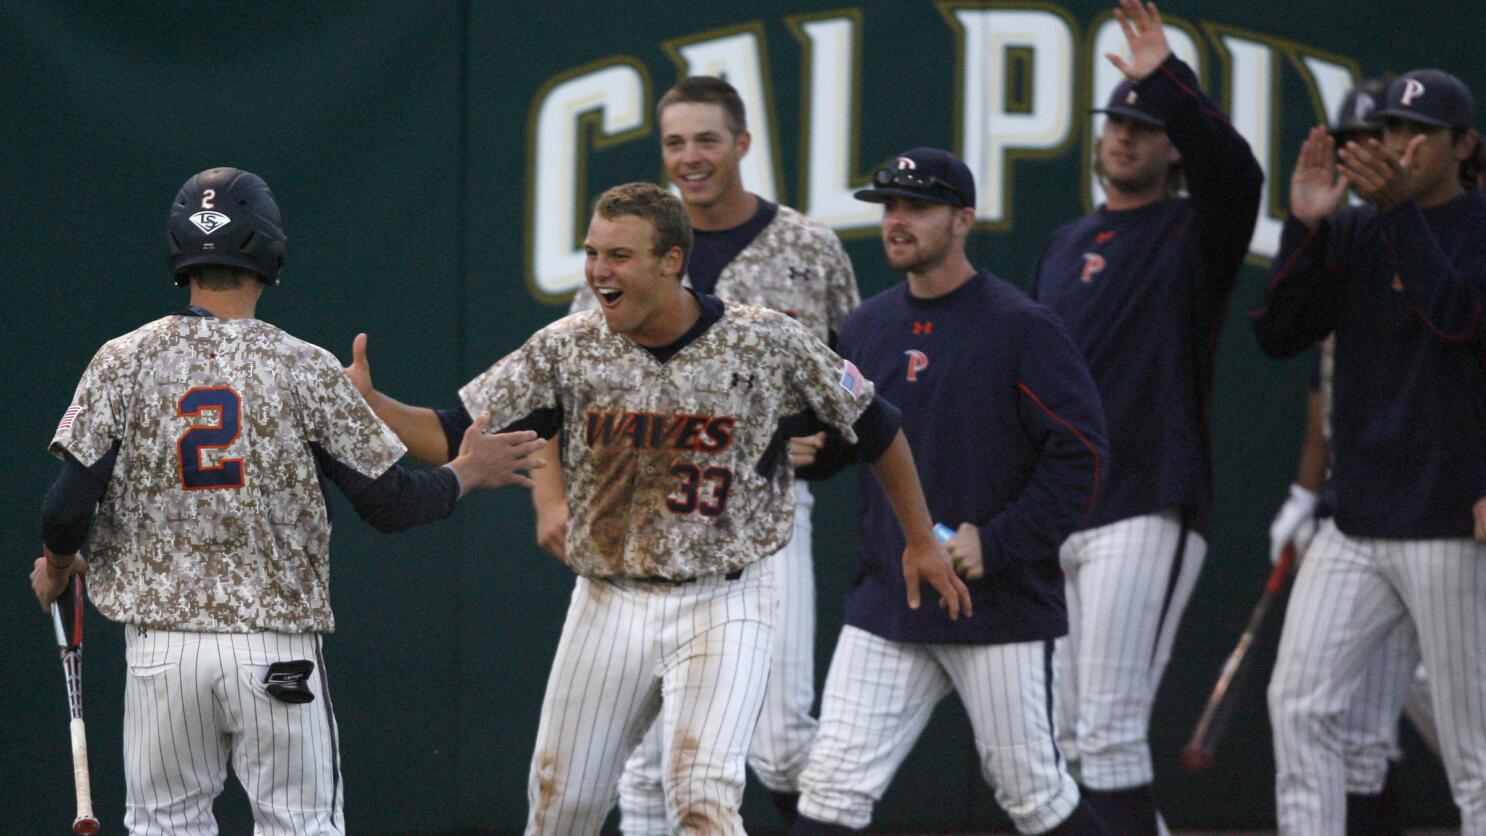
(228, 473)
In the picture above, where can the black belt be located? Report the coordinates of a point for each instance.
(730, 576)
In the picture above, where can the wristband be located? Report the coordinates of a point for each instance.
(51, 558)
(1305, 499)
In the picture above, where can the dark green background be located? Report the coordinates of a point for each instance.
(394, 135)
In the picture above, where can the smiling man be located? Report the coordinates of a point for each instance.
(1009, 437)
(1401, 282)
(675, 411)
(744, 249)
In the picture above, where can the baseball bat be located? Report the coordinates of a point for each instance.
(1200, 752)
(71, 646)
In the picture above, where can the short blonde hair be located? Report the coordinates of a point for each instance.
(661, 208)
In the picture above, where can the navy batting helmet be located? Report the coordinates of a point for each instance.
(226, 217)
(1354, 116)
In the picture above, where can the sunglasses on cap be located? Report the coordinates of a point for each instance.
(908, 178)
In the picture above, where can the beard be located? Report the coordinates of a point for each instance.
(919, 261)
(1136, 182)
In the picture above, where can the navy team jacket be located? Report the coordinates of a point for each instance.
(1007, 434)
(1403, 290)
(1144, 292)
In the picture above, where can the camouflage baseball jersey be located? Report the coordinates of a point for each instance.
(214, 519)
(662, 460)
(795, 266)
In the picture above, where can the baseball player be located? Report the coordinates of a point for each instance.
(1142, 283)
(745, 249)
(1395, 679)
(1398, 281)
(1008, 435)
(676, 466)
(203, 440)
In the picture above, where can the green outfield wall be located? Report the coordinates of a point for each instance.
(435, 161)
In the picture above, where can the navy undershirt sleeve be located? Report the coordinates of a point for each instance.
(875, 428)
(67, 511)
(398, 499)
(455, 420)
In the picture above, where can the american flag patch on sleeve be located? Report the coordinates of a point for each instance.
(851, 379)
(68, 416)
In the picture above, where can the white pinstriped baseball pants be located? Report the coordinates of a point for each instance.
(696, 655)
(1127, 584)
(194, 700)
(1350, 595)
(1393, 682)
(879, 696)
(785, 727)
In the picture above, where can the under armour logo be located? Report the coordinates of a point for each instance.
(920, 328)
(738, 378)
(904, 162)
(1104, 236)
(1412, 89)
(800, 274)
(917, 362)
(1093, 263)
(1130, 98)
(210, 222)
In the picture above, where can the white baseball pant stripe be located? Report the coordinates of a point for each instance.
(880, 694)
(1127, 585)
(785, 727)
(192, 701)
(1418, 706)
(1350, 594)
(1369, 728)
(694, 654)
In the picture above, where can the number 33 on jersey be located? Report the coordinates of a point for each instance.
(673, 469)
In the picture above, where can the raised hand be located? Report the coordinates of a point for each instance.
(1315, 190)
(1145, 34)
(490, 461)
(359, 372)
(1382, 177)
(928, 561)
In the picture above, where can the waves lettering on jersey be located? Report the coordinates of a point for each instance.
(658, 431)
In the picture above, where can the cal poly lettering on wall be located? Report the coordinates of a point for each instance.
(996, 127)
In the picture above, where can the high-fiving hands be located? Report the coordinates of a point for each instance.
(1315, 188)
(1146, 36)
(1381, 175)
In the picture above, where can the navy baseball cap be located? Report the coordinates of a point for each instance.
(1429, 97)
(1124, 101)
(1354, 116)
(923, 174)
